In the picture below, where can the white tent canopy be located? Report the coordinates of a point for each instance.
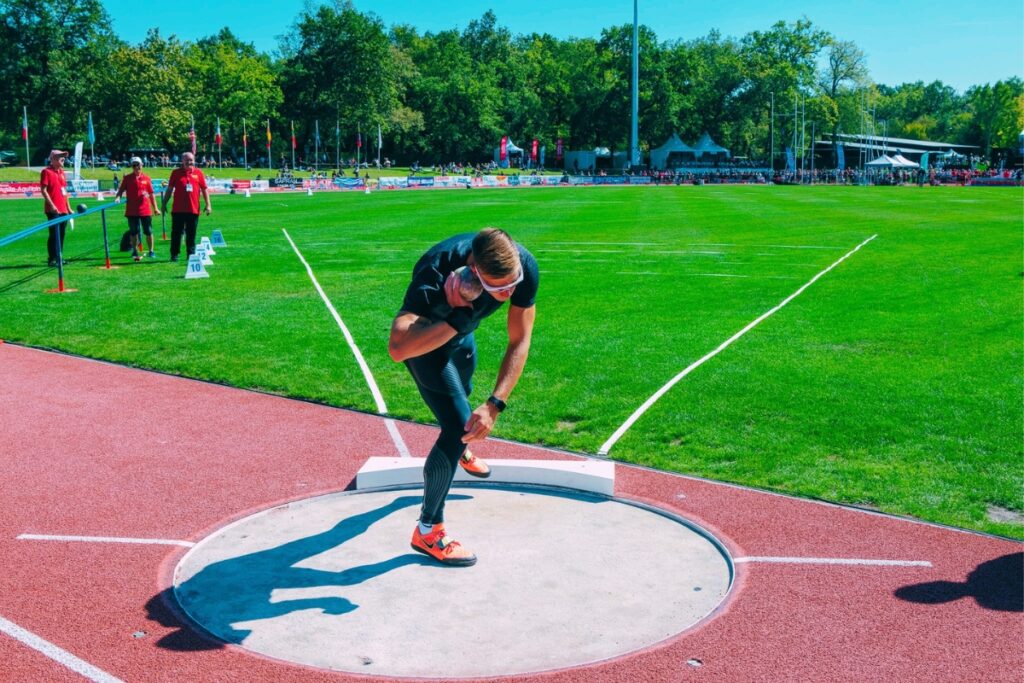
(707, 146)
(674, 145)
(904, 162)
(886, 161)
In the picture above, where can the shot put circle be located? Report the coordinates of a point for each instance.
(562, 579)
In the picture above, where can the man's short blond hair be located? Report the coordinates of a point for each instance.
(495, 253)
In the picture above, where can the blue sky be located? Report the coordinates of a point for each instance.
(960, 43)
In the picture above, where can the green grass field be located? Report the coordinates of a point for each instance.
(894, 382)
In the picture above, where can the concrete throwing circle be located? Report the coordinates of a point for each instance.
(562, 579)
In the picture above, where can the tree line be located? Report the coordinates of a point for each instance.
(451, 95)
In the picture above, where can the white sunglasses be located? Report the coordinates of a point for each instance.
(499, 289)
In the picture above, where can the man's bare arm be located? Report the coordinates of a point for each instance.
(520, 331)
(413, 335)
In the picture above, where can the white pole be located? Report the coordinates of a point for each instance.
(634, 149)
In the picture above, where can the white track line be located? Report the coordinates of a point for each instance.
(55, 653)
(382, 407)
(104, 539)
(769, 246)
(833, 560)
(696, 364)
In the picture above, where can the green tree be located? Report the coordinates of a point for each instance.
(144, 96)
(51, 52)
(845, 71)
(338, 63)
(997, 113)
(233, 81)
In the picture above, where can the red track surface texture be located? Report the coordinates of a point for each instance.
(91, 449)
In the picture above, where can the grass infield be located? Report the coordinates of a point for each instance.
(894, 382)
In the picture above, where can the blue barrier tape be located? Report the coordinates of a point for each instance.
(56, 221)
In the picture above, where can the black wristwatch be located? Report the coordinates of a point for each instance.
(497, 402)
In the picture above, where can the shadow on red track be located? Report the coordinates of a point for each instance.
(996, 585)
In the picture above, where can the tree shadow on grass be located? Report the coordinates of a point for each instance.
(240, 589)
(996, 585)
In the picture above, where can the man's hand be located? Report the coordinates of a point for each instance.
(452, 293)
(208, 210)
(157, 210)
(480, 423)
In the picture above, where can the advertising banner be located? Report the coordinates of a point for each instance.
(82, 185)
(219, 184)
(558, 149)
(503, 155)
(350, 183)
(241, 184)
(12, 188)
(421, 181)
(391, 183)
(451, 181)
(639, 180)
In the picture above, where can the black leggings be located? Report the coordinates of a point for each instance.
(445, 380)
(183, 223)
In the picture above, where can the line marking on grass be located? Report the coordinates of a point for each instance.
(724, 345)
(382, 407)
(55, 653)
(104, 539)
(765, 246)
(833, 560)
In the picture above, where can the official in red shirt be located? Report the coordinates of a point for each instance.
(186, 183)
(138, 189)
(54, 187)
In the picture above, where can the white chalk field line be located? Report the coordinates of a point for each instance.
(57, 654)
(382, 407)
(724, 345)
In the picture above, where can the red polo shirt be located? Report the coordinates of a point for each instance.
(187, 186)
(56, 184)
(137, 191)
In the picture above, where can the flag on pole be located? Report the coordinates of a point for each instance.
(503, 152)
(217, 138)
(558, 149)
(24, 125)
(192, 135)
(293, 135)
(269, 137)
(245, 136)
(359, 140)
(380, 141)
(533, 151)
(90, 133)
(317, 134)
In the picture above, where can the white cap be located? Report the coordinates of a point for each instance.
(135, 160)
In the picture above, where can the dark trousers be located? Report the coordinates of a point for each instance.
(445, 380)
(183, 223)
(53, 249)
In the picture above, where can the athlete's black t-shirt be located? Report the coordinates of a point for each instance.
(425, 295)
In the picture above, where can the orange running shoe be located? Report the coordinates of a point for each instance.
(474, 465)
(437, 545)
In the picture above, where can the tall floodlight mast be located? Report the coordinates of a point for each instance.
(634, 148)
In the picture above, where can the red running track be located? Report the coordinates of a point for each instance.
(93, 449)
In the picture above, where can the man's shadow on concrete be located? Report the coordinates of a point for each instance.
(996, 585)
(239, 589)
